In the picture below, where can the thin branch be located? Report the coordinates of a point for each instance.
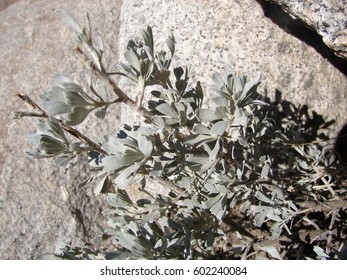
(331, 228)
(19, 115)
(31, 103)
(42, 114)
(112, 85)
(74, 132)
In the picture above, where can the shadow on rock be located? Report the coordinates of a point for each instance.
(299, 30)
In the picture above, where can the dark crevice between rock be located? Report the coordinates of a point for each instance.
(301, 31)
(341, 145)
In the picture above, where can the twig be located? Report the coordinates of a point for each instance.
(31, 103)
(42, 114)
(74, 132)
(330, 234)
(111, 84)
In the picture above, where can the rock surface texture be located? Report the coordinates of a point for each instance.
(210, 34)
(5, 3)
(327, 17)
(40, 205)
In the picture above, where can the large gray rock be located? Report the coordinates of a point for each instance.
(5, 3)
(39, 204)
(327, 17)
(212, 33)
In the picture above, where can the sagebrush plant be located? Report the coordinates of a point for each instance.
(234, 180)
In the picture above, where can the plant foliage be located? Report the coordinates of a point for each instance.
(236, 182)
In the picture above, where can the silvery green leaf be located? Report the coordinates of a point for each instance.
(62, 160)
(111, 163)
(102, 185)
(230, 81)
(147, 36)
(52, 128)
(167, 110)
(262, 197)
(216, 205)
(102, 93)
(219, 127)
(197, 139)
(134, 227)
(178, 73)
(219, 208)
(272, 251)
(133, 244)
(200, 163)
(240, 117)
(159, 94)
(151, 216)
(183, 118)
(274, 217)
(212, 200)
(112, 145)
(191, 203)
(131, 155)
(303, 165)
(278, 193)
(260, 217)
(130, 75)
(179, 106)
(200, 129)
(220, 100)
(100, 46)
(221, 112)
(133, 61)
(77, 115)
(161, 77)
(215, 151)
(217, 78)
(206, 115)
(215, 188)
(170, 41)
(207, 166)
(49, 140)
(265, 171)
(68, 100)
(46, 146)
(145, 145)
(70, 21)
(196, 159)
(239, 172)
(115, 162)
(101, 113)
(76, 147)
(120, 199)
(159, 122)
(128, 176)
(147, 68)
(250, 86)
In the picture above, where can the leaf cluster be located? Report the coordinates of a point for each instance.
(219, 165)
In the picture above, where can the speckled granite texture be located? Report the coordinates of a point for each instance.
(327, 17)
(5, 3)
